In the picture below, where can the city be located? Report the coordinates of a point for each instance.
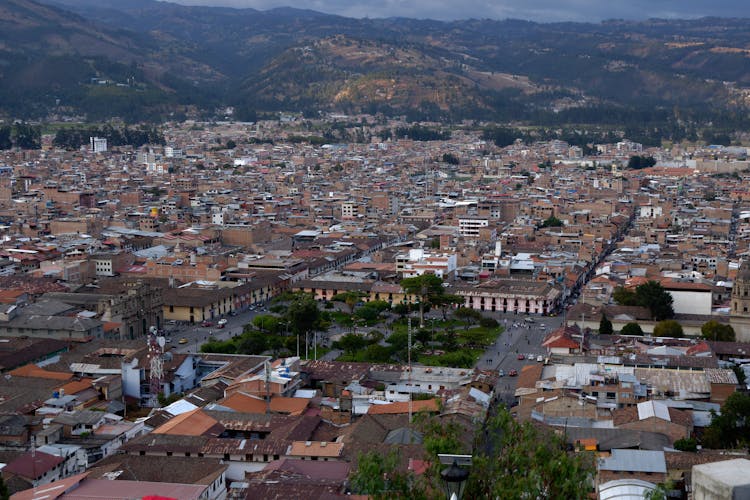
(424, 250)
(232, 307)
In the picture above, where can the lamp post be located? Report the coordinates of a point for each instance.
(454, 480)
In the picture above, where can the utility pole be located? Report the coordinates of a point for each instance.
(267, 367)
(408, 350)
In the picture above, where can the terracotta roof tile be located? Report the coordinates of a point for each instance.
(316, 449)
(192, 423)
(429, 405)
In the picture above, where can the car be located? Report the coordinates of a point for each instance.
(222, 321)
(501, 373)
(206, 324)
(540, 359)
(530, 357)
(512, 373)
(168, 340)
(520, 357)
(183, 340)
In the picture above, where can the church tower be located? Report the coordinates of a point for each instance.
(740, 313)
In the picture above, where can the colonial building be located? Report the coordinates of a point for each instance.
(740, 311)
(519, 296)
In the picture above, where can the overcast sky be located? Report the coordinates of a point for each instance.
(537, 10)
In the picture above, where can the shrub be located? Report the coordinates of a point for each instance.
(632, 329)
(686, 444)
(488, 322)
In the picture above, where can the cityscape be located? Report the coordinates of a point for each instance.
(222, 303)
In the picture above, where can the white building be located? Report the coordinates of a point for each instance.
(418, 262)
(98, 144)
(469, 227)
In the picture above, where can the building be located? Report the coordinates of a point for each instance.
(740, 309)
(726, 480)
(470, 227)
(98, 144)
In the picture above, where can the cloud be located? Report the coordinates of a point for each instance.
(537, 10)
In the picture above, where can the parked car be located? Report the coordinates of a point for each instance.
(222, 322)
(501, 373)
(206, 324)
(530, 357)
(520, 357)
(512, 373)
(183, 340)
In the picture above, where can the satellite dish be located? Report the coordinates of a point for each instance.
(161, 341)
(153, 330)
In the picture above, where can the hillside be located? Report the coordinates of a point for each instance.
(298, 60)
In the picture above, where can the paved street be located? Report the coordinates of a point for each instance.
(196, 335)
(519, 337)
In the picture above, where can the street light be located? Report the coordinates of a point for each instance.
(454, 480)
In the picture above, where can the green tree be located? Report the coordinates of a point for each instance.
(632, 329)
(4, 493)
(451, 159)
(302, 314)
(552, 221)
(686, 444)
(253, 343)
(5, 141)
(467, 314)
(378, 477)
(402, 308)
(654, 297)
(350, 298)
(731, 429)
(713, 330)
(638, 162)
(231, 144)
(668, 328)
(605, 325)
(624, 297)
(27, 136)
(351, 342)
(446, 301)
(428, 288)
(518, 460)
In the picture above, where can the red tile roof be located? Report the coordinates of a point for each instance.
(32, 465)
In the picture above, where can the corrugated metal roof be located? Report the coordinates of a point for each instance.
(634, 461)
(649, 409)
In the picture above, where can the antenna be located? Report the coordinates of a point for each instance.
(408, 350)
(267, 367)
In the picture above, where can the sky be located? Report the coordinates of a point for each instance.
(535, 10)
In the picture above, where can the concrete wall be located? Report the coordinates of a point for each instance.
(722, 480)
(685, 302)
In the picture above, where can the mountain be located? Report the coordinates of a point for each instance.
(170, 57)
